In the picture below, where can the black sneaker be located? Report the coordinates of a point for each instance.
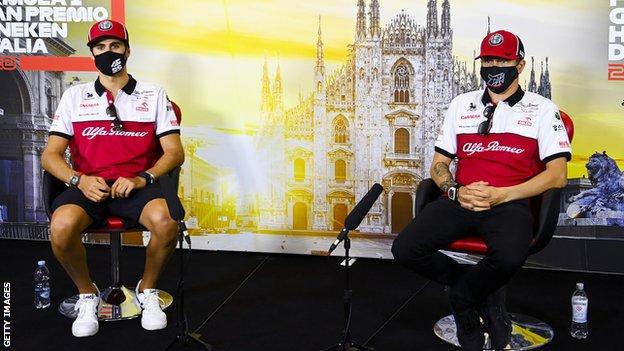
(469, 330)
(496, 321)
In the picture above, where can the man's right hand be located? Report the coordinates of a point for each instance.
(94, 188)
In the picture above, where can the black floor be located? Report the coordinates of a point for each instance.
(293, 303)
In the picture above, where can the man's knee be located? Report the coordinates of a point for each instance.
(508, 262)
(64, 230)
(165, 228)
(405, 251)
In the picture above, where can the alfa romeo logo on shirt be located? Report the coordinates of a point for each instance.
(105, 25)
(496, 39)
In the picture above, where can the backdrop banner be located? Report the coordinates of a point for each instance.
(292, 110)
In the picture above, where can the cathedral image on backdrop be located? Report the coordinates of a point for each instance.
(375, 119)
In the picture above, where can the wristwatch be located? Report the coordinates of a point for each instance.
(453, 192)
(149, 178)
(75, 179)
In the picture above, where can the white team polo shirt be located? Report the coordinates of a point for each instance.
(96, 149)
(527, 132)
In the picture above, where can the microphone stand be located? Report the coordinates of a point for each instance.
(183, 335)
(346, 344)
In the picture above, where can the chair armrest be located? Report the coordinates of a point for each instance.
(169, 185)
(52, 187)
(548, 216)
(427, 192)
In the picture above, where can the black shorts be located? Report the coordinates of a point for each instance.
(128, 209)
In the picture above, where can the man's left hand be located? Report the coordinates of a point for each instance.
(123, 186)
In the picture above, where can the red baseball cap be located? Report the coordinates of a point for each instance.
(107, 29)
(502, 44)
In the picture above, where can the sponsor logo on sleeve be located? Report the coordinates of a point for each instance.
(564, 144)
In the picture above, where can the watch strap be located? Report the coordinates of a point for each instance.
(149, 178)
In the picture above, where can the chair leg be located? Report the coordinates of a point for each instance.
(115, 244)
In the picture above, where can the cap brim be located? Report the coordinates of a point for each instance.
(92, 43)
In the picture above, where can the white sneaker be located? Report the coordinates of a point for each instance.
(86, 323)
(152, 318)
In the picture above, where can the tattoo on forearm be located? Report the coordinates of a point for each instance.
(442, 173)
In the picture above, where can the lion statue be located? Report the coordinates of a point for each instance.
(607, 195)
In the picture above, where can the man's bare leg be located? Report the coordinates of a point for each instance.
(66, 226)
(156, 218)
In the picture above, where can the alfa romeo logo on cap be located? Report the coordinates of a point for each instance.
(105, 25)
(496, 39)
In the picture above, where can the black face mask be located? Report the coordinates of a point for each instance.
(110, 63)
(498, 79)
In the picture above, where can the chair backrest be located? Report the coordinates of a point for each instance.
(52, 187)
(169, 182)
(569, 125)
(546, 206)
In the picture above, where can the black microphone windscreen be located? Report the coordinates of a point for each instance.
(360, 210)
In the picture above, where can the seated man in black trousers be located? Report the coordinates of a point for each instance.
(123, 135)
(510, 145)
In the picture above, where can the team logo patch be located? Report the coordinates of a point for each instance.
(496, 39)
(105, 25)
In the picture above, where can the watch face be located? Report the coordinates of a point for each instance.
(452, 193)
(73, 181)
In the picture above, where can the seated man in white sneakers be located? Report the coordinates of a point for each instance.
(123, 135)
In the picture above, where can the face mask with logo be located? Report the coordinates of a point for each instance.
(110, 62)
(498, 79)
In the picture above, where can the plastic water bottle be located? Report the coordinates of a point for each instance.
(42, 286)
(579, 312)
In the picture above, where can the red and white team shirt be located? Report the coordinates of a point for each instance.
(96, 150)
(527, 132)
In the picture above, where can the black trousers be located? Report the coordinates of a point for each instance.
(507, 230)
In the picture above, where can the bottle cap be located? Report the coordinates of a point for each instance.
(41, 263)
(580, 286)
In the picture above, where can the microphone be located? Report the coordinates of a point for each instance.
(358, 213)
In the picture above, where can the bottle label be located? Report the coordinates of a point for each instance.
(579, 309)
(45, 294)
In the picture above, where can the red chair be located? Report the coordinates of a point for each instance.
(528, 332)
(118, 300)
